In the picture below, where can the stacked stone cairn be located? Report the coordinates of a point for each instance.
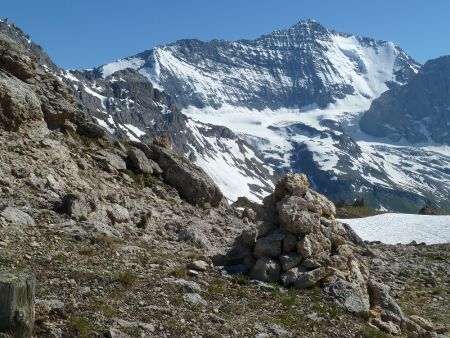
(299, 243)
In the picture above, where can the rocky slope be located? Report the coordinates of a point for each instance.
(120, 237)
(129, 107)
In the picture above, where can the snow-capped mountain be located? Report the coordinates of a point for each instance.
(297, 96)
(294, 96)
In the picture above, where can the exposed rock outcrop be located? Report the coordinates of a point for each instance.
(192, 182)
(28, 93)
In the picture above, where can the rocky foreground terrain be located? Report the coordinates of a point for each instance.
(107, 238)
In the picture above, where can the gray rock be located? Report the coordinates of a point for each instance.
(140, 162)
(17, 216)
(350, 296)
(195, 299)
(192, 183)
(266, 269)
(91, 130)
(289, 260)
(268, 246)
(308, 279)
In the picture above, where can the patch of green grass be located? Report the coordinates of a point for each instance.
(176, 326)
(125, 278)
(368, 331)
(131, 331)
(81, 327)
(239, 279)
(107, 310)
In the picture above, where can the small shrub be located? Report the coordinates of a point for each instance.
(87, 251)
(125, 278)
(81, 327)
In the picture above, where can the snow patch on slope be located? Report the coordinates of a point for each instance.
(224, 160)
(402, 228)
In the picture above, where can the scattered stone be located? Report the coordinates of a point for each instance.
(17, 216)
(198, 265)
(195, 299)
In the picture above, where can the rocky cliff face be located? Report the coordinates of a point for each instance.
(418, 112)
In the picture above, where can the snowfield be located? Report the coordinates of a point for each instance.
(402, 228)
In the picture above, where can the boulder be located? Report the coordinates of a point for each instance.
(294, 216)
(308, 279)
(192, 183)
(291, 184)
(266, 269)
(268, 246)
(91, 130)
(141, 164)
(17, 292)
(290, 260)
(17, 216)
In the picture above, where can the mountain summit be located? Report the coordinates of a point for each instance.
(293, 97)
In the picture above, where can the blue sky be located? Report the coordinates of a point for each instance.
(83, 34)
